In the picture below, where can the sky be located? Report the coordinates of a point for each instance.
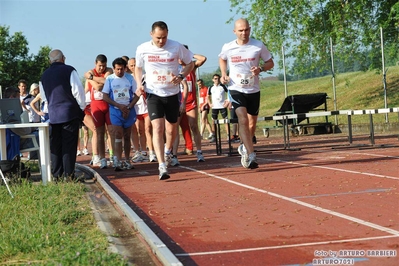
(85, 28)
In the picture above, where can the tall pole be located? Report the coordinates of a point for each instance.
(333, 80)
(384, 75)
(285, 75)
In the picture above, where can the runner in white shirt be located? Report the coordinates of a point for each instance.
(120, 93)
(242, 57)
(160, 58)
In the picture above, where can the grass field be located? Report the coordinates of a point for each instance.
(354, 91)
(51, 225)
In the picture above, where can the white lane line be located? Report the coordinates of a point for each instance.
(350, 152)
(311, 206)
(331, 168)
(283, 246)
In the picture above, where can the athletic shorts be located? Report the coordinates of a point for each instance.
(118, 120)
(141, 117)
(222, 111)
(249, 101)
(191, 105)
(87, 110)
(163, 107)
(100, 115)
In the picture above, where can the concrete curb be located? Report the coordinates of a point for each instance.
(161, 251)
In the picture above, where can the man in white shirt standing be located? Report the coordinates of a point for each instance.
(160, 57)
(242, 57)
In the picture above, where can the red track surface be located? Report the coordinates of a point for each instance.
(327, 196)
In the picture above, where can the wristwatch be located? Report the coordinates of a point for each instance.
(180, 76)
(128, 107)
(91, 76)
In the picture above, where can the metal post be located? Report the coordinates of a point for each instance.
(350, 128)
(333, 80)
(384, 75)
(371, 130)
(285, 75)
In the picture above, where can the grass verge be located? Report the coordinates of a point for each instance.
(51, 225)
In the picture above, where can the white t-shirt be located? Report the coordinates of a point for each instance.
(240, 59)
(218, 95)
(160, 64)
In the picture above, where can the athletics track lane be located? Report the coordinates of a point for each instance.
(296, 203)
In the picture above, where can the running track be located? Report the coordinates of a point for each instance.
(300, 206)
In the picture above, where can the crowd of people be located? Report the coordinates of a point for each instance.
(142, 101)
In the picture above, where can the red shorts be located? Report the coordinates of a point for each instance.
(87, 110)
(142, 116)
(100, 114)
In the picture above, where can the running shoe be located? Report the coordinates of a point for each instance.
(174, 161)
(117, 165)
(127, 165)
(242, 150)
(189, 152)
(137, 158)
(163, 173)
(153, 157)
(212, 140)
(78, 153)
(103, 163)
(168, 159)
(251, 162)
(200, 157)
(85, 151)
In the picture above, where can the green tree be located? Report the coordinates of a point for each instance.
(305, 27)
(15, 61)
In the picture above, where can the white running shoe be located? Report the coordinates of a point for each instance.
(200, 157)
(85, 151)
(153, 157)
(137, 158)
(242, 150)
(95, 160)
(78, 153)
(103, 163)
(251, 162)
(163, 173)
(174, 161)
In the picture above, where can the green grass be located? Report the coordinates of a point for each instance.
(51, 225)
(354, 91)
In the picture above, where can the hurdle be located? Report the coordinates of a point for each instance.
(283, 119)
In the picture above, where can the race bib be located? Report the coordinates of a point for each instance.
(161, 76)
(190, 85)
(244, 80)
(201, 100)
(121, 95)
(97, 95)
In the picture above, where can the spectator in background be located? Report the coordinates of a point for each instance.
(33, 116)
(204, 110)
(62, 88)
(23, 86)
(217, 100)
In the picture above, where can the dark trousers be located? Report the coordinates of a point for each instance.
(63, 147)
